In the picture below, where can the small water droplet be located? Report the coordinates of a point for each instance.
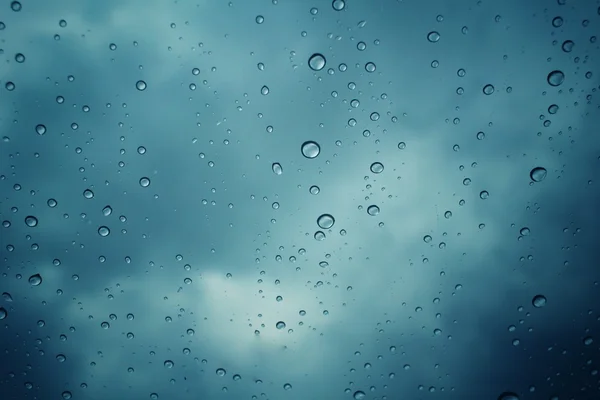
(359, 395)
(40, 129)
(221, 372)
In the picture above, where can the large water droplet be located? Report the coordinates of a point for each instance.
(359, 395)
(144, 182)
(556, 78)
(35, 280)
(103, 231)
(31, 221)
(370, 67)
(488, 89)
(325, 221)
(277, 169)
(538, 301)
(338, 5)
(3, 313)
(106, 211)
(433, 36)
(310, 149)
(140, 85)
(317, 62)
(508, 396)
(221, 371)
(88, 194)
(280, 325)
(377, 168)
(538, 174)
(314, 189)
(40, 129)
(169, 364)
(373, 210)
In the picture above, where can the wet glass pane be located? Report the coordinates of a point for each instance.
(282, 199)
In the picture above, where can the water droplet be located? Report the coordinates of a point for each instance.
(105, 325)
(359, 395)
(488, 89)
(20, 58)
(3, 313)
(587, 341)
(260, 19)
(141, 150)
(401, 145)
(140, 85)
(88, 194)
(484, 194)
(287, 386)
(103, 231)
(314, 190)
(325, 221)
(433, 36)
(319, 235)
(567, 46)
(553, 109)
(264, 90)
(538, 174)
(317, 62)
(35, 280)
(10, 86)
(144, 182)
(370, 67)
(169, 364)
(427, 239)
(525, 231)
(448, 214)
(377, 168)
(280, 325)
(539, 301)
(31, 221)
(373, 210)
(40, 129)
(338, 5)
(277, 169)
(67, 395)
(221, 372)
(557, 22)
(508, 396)
(310, 149)
(16, 6)
(556, 78)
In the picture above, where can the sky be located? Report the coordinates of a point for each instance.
(161, 234)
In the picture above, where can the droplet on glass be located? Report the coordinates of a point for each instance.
(488, 89)
(317, 62)
(280, 325)
(277, 169)
(140, 85)
(144, 182)
(370, 67)
(310, 149)
(314, 190)
(433, 36)
(31, 221)
(373, 210)
(556, 78)
(538, 174)
(103, 231)
(40, 129)
(338, 5)
(538, 301)
(325, 221)
(35, 280)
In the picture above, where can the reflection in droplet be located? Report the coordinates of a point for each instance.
(317, 62)
(310, 149)
(538, 174)
(538, 301)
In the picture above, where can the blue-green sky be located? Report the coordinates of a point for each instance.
(431, 297)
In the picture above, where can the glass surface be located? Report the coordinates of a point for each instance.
(284, 199)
